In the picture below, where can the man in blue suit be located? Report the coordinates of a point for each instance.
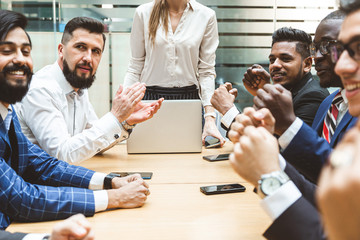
(304, 146)
(33, 185)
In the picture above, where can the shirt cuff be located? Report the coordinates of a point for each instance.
(35, 236)
(229, 116)
(282, 162)
(97, 181)
(275, 204)
(112, 128)
(101, 200)
(289, 134)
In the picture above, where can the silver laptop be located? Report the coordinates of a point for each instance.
(175, 128)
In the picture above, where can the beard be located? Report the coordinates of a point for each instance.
(12, 93)
(75, 80)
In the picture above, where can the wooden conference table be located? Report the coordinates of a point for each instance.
(175, 209)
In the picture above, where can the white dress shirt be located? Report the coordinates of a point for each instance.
(229, 116)
(62, 121)
(178, 59)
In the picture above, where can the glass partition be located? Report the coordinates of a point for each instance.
(245, 29)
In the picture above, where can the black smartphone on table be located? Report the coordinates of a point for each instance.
(217, 157)
(212, 142)
(220, 189)
(144, 175)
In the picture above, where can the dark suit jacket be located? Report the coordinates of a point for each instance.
(308, 151)
(11, 236)
(301, 221)
(307, 97)
(37, 187)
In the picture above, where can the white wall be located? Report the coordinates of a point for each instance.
(44, 52)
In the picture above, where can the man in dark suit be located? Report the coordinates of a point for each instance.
(33, 185)
(75, 227)
(290, 65)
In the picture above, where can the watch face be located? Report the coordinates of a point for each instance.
(270, 185)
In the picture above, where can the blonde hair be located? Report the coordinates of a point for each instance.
(159, 11)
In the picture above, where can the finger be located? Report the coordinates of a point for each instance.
(325, 180)
(119, 91)
(279, 87)
(244, 120)
(128, 89)
(228, 86)
(259, 104)
(265, 115)
(270, 88)
(136, 90)
(145, 184)
(233, 136)
(256, 66)
(234, 92)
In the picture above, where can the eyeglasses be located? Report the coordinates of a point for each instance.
(337, 48)
(322, 46)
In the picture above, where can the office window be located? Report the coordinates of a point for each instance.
(245, 29)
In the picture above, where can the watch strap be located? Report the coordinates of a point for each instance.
(127, 126)
(279, 175)
(108, 179)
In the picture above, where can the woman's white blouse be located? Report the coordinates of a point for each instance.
(178, 59)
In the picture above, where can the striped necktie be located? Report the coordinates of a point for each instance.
(331, 116)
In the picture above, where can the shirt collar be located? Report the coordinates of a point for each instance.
(63, 83)
(4, 111)
(342, 91)
(191, 5)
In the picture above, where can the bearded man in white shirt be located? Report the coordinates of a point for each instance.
(57, 115)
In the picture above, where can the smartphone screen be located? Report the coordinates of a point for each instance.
(218, 157)
(144, 175)
(220, 189)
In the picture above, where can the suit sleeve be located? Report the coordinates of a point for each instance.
(301, 221)
(11, 236)
(307, 106)
(307, 152)
(24, 201)
(43, 169)
(306, 187)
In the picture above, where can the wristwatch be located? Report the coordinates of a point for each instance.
(127, 126)
(270, 182)
(108, 178)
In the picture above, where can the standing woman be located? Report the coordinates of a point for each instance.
(173, 44)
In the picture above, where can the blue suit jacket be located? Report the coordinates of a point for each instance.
(24, 197)
(308, 151)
